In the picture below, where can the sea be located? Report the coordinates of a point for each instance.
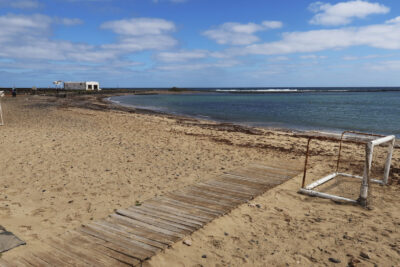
(371, 109)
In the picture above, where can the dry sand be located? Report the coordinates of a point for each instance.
(65, 162)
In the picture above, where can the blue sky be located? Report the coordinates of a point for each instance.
(200, 43)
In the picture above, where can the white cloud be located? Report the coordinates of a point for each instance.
(23, 4)
(140, 43)
(272, 24)
(139, 26)
(198, 66)
(239, 34)
(68, 21)
(344, 12)
(390, 65)
(394, 20)
(28, 37)
(312, 57)
(384, 36)
(140, 34)
(350, 58)
(182, 56)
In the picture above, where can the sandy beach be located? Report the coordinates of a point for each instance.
(67, 161)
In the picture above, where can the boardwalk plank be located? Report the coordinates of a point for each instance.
(193, 225)
(211, 213)
(242, 182)
(180, 229)
(212, 196)
(35, 261)
(173, 236)
(103, 247)
(79, 252)
(123, 245)
(221, 190)
(179, 214)
(143, 242)
(192, 211)
(218, 205)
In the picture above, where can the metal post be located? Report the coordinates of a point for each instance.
(305, 163)
(369, 150)
(388, 162)
(1, 116)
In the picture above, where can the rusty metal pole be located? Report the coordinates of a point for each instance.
(305, 163)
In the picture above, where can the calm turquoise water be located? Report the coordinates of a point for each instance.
(377, 112)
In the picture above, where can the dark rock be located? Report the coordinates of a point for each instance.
(334, 260)
(364, 255)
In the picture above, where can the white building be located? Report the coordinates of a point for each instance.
(82, 86)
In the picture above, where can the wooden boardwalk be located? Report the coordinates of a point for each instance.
(130, 236)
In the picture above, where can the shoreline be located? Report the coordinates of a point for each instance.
(301, 131)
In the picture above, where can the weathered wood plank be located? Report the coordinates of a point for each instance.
(167, 216)
(192, 211)
(271, 182)
(79, 252)
(180, 229)
(231, 186)
(211, 213)
(213, 196)
(59, 256)
(4, 263)
(123, 245)
(143, 242)
(173, 236)
(52, 259)
(242, 182)
(34, 261)
(103, 247)
(222, 190)
(257, 181)
(142, 231)
(218, 205)
(179, 214)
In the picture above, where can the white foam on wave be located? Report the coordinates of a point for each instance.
(256, 90)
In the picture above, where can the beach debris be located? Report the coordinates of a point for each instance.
(69, 202)
(226, 234)
(204, 256)
(353, 262)
(364, 255)
(8, 240)
(187, 242)
(334, 260)
(138, 203)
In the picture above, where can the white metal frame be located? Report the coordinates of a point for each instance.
(366, 179)
(1, 110)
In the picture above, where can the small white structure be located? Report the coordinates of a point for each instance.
(365, 179)
(88, 86)
(1, 110)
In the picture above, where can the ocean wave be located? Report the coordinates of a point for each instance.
(256, 90)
